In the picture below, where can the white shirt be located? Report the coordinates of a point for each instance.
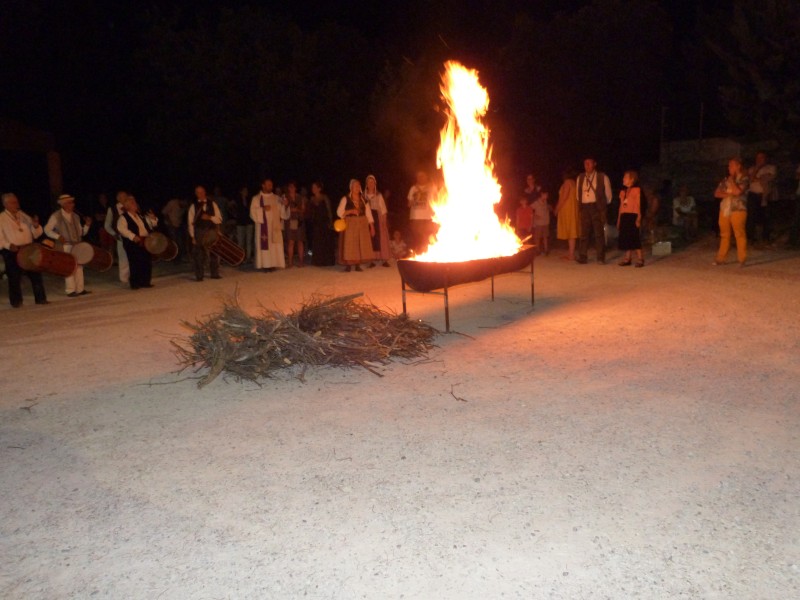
(17, 229)
(173, 211)
(108, 225)
(679, 210)
(216, 218)
(51, 229)
(376, 202)
(587, 193)
(124, 230)
(340, 210)
(419, 201)
(761, 181)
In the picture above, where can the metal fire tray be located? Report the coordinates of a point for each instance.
(425, 277)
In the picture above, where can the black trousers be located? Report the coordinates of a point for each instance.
(757, 215)
(141, 264)
(592, 220)
(14, 274)
(201, 255)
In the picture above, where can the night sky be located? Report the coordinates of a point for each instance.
(76, 69)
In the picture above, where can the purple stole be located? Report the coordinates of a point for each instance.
(264, 234)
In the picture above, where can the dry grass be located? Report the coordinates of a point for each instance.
(334, 331)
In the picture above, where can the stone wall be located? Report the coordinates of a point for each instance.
(701, 164)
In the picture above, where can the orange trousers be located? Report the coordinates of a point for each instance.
(736, 222)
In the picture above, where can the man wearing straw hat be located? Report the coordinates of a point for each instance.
(65, 226)
(16, 230)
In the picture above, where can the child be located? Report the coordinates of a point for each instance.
(629, 219)
(541, 223)
(684, 213)
(524, 220)
(398, 246)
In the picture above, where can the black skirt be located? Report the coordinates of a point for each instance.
(629, 238)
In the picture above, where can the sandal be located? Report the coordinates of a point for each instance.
(624, 263)
(639, 264)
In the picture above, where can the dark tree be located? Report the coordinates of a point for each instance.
(758, 44)
(590, 81)
(253, 94)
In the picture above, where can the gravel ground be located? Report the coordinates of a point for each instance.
(634, 435)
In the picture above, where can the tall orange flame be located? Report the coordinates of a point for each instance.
(468, 226)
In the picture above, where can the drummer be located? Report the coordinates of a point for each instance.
(65, 226)
(203, 215)
(133, 227)
(16, 230)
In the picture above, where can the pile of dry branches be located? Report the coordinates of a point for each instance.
(335, 331)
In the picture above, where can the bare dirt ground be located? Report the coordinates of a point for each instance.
(635, 435)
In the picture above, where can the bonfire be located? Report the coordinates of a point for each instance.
(468, 226)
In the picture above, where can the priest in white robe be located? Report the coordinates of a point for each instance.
(268, 213)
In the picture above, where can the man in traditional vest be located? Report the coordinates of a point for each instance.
(594, 194)
(65, 226)
(110, 225)
(204, 214)
(133, 228)
(17, 230)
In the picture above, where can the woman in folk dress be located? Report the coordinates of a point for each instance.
(377, 204)
(355, 245)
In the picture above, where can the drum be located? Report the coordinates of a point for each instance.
(170, 253)
(102, 259)
(36, 257)
(156, 243)
(83, 252)
(93, 257)
(224, 247)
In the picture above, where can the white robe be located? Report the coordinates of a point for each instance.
(272, 212)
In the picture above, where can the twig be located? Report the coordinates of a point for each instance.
(371, 370)
(464, 334)
(152, 383)
(453, 395)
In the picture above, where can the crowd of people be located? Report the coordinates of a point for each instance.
(272, 230)
(747, 200)
(279, 229)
